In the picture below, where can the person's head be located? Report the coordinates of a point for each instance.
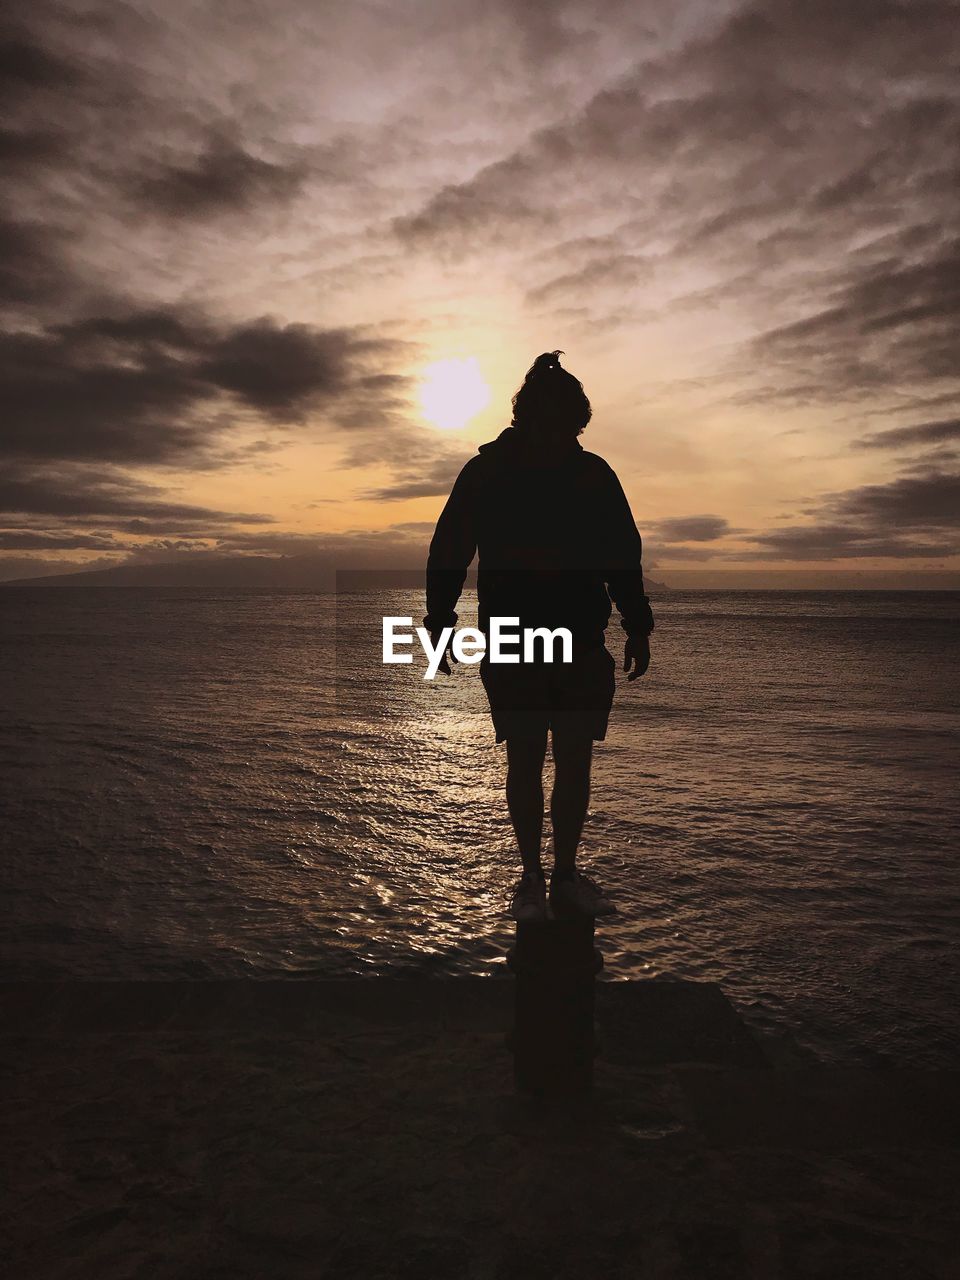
(551, 402)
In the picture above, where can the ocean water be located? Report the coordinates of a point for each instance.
(223, 783)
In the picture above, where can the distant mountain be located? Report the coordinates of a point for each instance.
(307, 572)
(310, 572)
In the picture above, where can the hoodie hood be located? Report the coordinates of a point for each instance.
(510, 444)
(506, 440)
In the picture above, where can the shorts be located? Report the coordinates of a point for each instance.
(528, 698)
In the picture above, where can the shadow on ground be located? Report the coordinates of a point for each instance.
(370, 1128)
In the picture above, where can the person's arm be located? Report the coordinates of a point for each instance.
(452, 548)
(624, 578)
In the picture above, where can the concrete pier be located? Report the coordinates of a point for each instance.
(555, 962)
(370, 1128)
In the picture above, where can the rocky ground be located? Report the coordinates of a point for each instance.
(371, 1129)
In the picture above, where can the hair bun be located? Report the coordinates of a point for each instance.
(549, 360)
(551, 399)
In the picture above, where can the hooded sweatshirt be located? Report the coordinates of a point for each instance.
(555, 535)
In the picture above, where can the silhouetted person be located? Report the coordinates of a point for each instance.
(555, 534)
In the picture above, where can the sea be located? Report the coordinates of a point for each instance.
(230, 783)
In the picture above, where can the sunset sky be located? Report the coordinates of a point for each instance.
(253, 253)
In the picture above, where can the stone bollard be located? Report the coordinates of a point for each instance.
(555, 963)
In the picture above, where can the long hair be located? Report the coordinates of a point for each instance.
(551, 399)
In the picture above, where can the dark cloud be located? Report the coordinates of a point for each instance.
(33, 248)
(919, 433)
(916, 515)
(840, 192)
(692, 528)
(143, 387)
(63, 506)
(433, 477)
(890, 324)
(788, 166)
(26, 64)
(19, 147)
(402, 545)
(38, 540)
(31, 263)
(747, 107)
(669, 539)
(352, 544)
(489, 205)
(81, 490)
(620, 270)
(930, 500)
(224, 177)
(655, 553)
(843, 542)
(203, 523)
(285, 371)
(802, 157)
(944, 459)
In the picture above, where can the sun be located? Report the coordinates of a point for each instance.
(452, 392)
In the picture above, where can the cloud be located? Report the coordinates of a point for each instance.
(621, 270)
(489, 206)
(24, 147)
(890, 324)
(36, 540)
(27, 65)
(396, 546)
(145, 387)
(930, 500)
(433, 478)
(31, 263)
(920, 433)
(65, 489)
(692, 528)
(770, 183)
(63, 506)
(655, 553)
(799, 158)
(224, 177)
(678, 132)
(355, 545)
(843, 542)
(916, 515)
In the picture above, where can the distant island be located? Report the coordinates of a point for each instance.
(309, 571)
(319, 571)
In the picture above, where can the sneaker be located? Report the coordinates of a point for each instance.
(529, 898)
(577, 894)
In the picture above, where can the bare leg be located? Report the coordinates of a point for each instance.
(572, 757)
(525, 757)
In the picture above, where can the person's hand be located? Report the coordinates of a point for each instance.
(636, 656)
(448, 653)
